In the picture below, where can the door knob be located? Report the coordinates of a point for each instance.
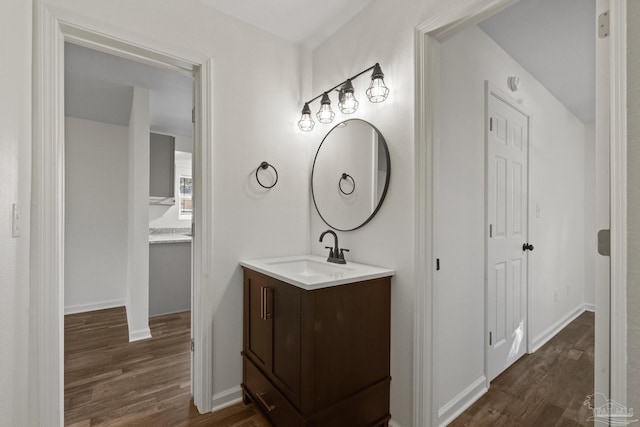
(527, 247)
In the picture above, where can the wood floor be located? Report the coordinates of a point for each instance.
(111, 382)
(547, 388)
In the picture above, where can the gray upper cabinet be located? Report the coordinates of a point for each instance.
(162, 168)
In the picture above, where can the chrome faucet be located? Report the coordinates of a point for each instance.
(336, 254)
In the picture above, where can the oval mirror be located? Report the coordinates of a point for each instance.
(350, 175)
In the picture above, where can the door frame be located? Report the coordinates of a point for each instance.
(52, 27)
(428, 35)
(489, 90)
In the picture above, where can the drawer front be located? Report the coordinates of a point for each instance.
(273, 404)
(369, 408)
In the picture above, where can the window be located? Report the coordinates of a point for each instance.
(185, 201)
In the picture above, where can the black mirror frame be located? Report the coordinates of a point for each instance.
(386, 182)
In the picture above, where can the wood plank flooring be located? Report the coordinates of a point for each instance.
(547, 388)
(111, 382)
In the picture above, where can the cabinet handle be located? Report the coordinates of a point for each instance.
(266, 405)
(266, 295)
(268, 305)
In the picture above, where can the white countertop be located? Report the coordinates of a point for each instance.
(168, 238)
(169, 235)
(313, 272)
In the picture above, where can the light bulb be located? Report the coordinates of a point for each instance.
(306, 123)
(325, 115)
(377, 91)
(348, 103)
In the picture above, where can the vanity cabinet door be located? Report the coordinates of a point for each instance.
(272, 331)
(286, 339)
(258, 331)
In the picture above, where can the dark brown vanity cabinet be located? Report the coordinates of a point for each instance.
(317, 358)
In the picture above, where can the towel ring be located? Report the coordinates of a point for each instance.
(265, 165)
(344, 177)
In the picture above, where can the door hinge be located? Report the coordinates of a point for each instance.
(604, 242)
(490, 124)
(437, 264)
(490, 230)
(193, 115)
(490, 339)
(193, 345)
(603, 25)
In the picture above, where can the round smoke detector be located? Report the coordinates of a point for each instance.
(513, 83)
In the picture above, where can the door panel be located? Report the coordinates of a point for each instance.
(285, 310)
(259, 330)
(500, 221)
(507, 207)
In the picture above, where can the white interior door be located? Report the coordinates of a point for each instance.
(507, 207)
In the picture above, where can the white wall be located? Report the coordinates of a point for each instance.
(183, 143)
(96, 200)
(169, 216)
(15, 161)
(557, 187)
(633, 213)
(590, 232)
(137, 299)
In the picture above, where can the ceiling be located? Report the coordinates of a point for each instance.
(99, 87)
(302, 22)
(554, 40)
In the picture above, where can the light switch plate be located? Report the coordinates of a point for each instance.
(16, 220)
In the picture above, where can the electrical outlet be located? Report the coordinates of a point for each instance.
(15, 214)
(538, 213)
(555, 295)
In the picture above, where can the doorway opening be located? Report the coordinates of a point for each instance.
(52, 30)
(127, 243)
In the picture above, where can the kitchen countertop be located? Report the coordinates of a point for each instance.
(169, 235)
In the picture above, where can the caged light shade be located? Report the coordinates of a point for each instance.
(326, 114)
(306, 123)
(348, 103)
(377, 91)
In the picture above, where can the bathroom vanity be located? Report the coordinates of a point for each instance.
(316, 342)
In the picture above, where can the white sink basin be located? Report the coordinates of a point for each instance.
(314, 272)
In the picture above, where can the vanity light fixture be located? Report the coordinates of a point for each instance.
(347, 102)
(326, 114)
(306, 123)
(377, 91)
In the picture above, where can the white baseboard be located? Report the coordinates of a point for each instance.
(394, 424)
(590, 307)
(226, 398)
(552, 330)
(456, 406)
(142, 334)
(151, 316)
(83, 308)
